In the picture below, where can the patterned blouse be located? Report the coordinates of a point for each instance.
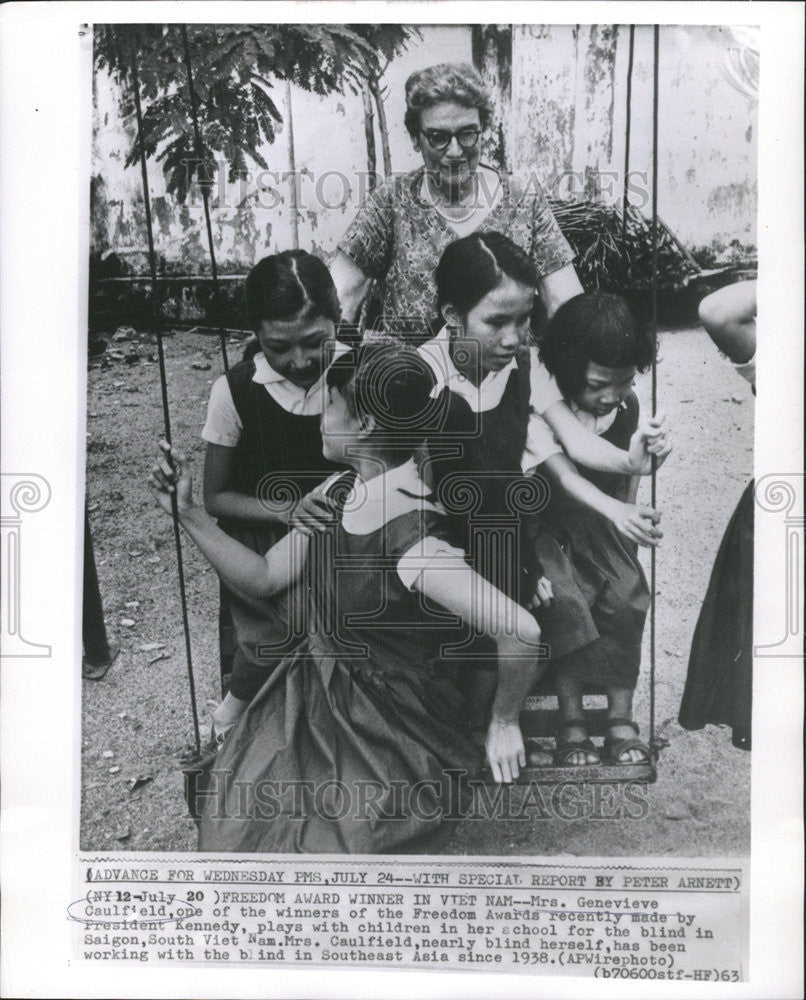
(397, 238)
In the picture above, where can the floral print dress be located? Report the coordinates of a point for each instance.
(398, 237)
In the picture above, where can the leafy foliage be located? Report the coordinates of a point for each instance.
(387, 40)
(234, 70)
(615, 256)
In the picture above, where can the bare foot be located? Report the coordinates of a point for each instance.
(224, 716)
(623, 746)
(539, 757)
(574, 748)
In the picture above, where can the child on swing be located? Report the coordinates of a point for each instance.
(263, 461)
(366, 701)
(594, 348)
(492, 392)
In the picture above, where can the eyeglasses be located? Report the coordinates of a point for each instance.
(440, 138)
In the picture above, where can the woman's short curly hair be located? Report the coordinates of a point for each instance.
(458, 82)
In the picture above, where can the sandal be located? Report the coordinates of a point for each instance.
(565, 748)
(615, 747)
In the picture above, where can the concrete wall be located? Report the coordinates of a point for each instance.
(569, 99)
(566, 94)
(570, 86)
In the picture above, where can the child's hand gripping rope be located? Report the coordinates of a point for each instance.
(638, 523)
(171, 475)
(652, 438)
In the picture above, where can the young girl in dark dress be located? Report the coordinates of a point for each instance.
(493, 390)
(264, 458)
(356, 741)
(594, 348)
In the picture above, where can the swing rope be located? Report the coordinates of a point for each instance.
(654, 331)
(203, 183)
(152, 259)
(627, 133)
(653, 744)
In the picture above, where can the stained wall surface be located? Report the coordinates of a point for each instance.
(561, 95)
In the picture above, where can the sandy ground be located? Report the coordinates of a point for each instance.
(137, 720)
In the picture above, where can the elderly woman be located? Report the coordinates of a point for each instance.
(400, 231)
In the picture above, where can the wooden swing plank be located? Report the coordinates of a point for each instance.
(539, 724)
(599, 774)
(603, 773)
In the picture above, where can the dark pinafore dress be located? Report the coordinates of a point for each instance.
(719, 682)
(595, 623)
(475, 468)
(354, 744)
(278, 457)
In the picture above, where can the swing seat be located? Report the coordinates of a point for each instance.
(539, 724)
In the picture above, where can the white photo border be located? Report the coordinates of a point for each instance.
(45, 95)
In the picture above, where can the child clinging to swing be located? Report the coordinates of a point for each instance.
(493, 394)
(594, 347)
(366, 702)
(264, 461)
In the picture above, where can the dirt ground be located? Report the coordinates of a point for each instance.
(137, 719)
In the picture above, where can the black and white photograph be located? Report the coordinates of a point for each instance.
(421, 471)
(478, 202)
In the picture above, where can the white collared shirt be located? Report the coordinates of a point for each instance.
(544, 391)
(542, 442)
(373, 502)
(376, 501)
(223, 425)
(485, 396)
